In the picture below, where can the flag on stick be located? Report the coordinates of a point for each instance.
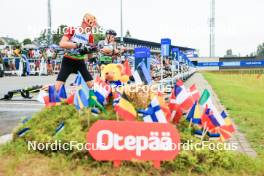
(153, 113)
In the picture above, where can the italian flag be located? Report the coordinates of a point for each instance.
(205, 100)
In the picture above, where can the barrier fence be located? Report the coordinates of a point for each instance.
(16, 66)
(24, 67)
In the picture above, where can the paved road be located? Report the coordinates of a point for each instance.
(12, 111)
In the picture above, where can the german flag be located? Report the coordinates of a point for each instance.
(125, 110)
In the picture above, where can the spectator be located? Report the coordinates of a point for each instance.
(49, 61)
(31, 54)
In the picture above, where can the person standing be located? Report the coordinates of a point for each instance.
(79, 42)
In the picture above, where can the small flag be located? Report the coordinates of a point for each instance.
(116, 98)
(164, 106)
(125, 110)
(101, 90)
(43, 96)
(194, 114)
(52, 99)
(93, 102)
(82, 93)
(53, 95)
(205, 100)
(80, 99)
(59, 128)
(213, 136)
(126, 68)
(25, 120)
(62, 92)
(180, 101)
(194, 92)
(198, 133)
(142, 74)
(95, 111)
(207, 120)
(153, 113)
(23, 132)
(79, 81)
(70, 99)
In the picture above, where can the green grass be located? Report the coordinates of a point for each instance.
(243, 96)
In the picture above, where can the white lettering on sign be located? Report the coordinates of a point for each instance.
(107, 140)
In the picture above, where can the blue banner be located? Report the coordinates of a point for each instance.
(258, 63)
(142, 53)
(165, 47)
(208, 64)
(175, 53)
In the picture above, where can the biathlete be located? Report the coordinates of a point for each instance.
(80, 43)
(107, 48)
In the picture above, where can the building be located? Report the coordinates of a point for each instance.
(155, 48)
(5, 41)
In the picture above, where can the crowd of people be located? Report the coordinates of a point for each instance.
(10, 58)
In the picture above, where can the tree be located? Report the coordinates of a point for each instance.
(27, 41)
(128, 35)
(42, 39)
(1, 42)
(229, 52)
(57, 35)
(99, 35)
(14, 43)
(260, 50)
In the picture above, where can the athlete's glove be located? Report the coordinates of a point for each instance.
(93, 49)
(82, 48)
(86, 49)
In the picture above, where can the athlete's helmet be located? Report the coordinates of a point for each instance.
(110, 32)
(90, 20)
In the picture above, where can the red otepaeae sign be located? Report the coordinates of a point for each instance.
(123, 140)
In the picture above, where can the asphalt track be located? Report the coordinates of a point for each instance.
(12, 111)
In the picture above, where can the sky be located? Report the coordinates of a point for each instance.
(239, 23)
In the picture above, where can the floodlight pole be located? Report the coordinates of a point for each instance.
(121, 21)
(49, 23)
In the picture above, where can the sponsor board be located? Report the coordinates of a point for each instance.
(120, 140)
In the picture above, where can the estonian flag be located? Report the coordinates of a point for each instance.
(142, 74)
